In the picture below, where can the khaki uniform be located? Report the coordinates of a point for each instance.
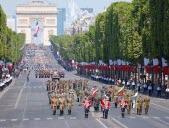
(69, 105)
(139, 105)
(62, 105)
(54, 102)
(115, 98)
(129, 104)
(146, 104)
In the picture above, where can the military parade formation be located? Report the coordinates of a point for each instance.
(63, 94)
(78, 98)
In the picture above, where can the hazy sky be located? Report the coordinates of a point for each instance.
(98, 5)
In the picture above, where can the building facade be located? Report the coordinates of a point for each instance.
(11, 22)
(39, 11)
(61, 17)
(90, 10)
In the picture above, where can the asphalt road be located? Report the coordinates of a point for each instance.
(25, 105)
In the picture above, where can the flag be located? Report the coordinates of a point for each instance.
(165, 70)
(94, 92)
(37, 29)
(155, 66)
(146, 61)
(165, 67)
(119, 62)
(110, 62)
(120, 91)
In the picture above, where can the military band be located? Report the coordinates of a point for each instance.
(62, 95)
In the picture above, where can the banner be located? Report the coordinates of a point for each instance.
(37, 30)
(148, 69)
(120, 91)
(165, 70)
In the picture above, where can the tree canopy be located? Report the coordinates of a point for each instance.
(127, 31)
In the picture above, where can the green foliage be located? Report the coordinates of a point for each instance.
(10, 42)
(129, 31)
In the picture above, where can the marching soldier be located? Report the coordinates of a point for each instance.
(80, 96)
(69, 105)
(129, 104)
(138, 105)
(86, 104)
(62, 105)
(54, 101)
(141, 105)
(146, 104)
(123, 105)
(106, 107)
(115, 98)
(125, 94)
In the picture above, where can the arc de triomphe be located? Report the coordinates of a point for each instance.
(40, 11)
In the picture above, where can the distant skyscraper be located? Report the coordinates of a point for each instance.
(90, 10)
(60, 22)
(11, 22)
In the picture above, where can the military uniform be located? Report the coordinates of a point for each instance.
(146, 104)
(115, 99)
(54, 101)
(129, 104)
(69, 105)
(62, 104)
(139, 105)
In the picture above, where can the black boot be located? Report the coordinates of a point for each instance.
(122, 115)
(85, 115)
(60, 112)
(115, 105)
(70, 112)
(54, 112)
(106, 116)
(103, 115)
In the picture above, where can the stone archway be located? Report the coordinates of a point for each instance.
(37, 10)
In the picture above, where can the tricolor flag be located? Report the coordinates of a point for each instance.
(37, 29)
(120, 91)
(94, 92)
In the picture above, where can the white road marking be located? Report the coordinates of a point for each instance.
(119, 123)
(61, 118)
(144, 117)
(2, 120)
(132, 117)
(25, 119)
(73, 118)
(19, 96)
(14, 119)
(6, 105)
(101, 123)
(49, 118)
(36, 118)
(167, 117)
(164, 122)
(158, 118)
(160, 106)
